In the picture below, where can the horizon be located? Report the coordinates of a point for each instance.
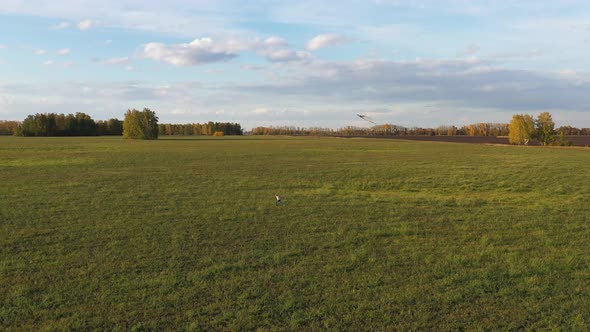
(413, 64)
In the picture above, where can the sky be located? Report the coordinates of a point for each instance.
(298, 63)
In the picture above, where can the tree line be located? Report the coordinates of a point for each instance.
(522, 129)
(478, 129)
(137, 124)
(200, 129)
(53, 124)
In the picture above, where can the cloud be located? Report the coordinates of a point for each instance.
(277, 49)
(321, 41)
(199, 51)
(287, 55)
(120, 61)
(117, 61)
(48, 63)
(40, 52)
(261, 110)
(85, 25)
(62, 25)
(206, 50)
(2, 47)
(467, 83)
(64, 51)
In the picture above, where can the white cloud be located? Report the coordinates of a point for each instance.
(40, 52)
(321, 41)
(275, 42)
(62, 25)
(85, 25)
(276, 49)
(48, 63)
(287, 55)
(206, 50)
(69, 64)
(64, 51)
(261, 110)
(2, 46)
(197, 52)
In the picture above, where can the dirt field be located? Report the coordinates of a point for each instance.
(576, 140)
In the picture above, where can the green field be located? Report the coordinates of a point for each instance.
(184, 234)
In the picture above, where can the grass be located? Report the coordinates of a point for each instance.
(183, 234)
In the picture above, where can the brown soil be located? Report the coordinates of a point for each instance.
(576, 140)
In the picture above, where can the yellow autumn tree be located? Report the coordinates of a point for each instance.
(521, 129)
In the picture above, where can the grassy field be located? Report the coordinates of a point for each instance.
(184, 234)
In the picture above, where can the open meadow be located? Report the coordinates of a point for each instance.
(183, 234)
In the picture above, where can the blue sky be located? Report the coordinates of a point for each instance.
(304, 63)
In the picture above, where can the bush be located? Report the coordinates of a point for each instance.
(218, 133)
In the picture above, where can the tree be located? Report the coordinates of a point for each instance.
(140, 124)
(521, 129)
(545, 128)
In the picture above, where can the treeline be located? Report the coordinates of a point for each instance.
(479, 129)
(8, 127)
(79, 124)
(573, 131)
(198, 129)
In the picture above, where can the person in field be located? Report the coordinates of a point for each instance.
(279, 201)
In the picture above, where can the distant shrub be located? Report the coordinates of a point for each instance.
(218, 133)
